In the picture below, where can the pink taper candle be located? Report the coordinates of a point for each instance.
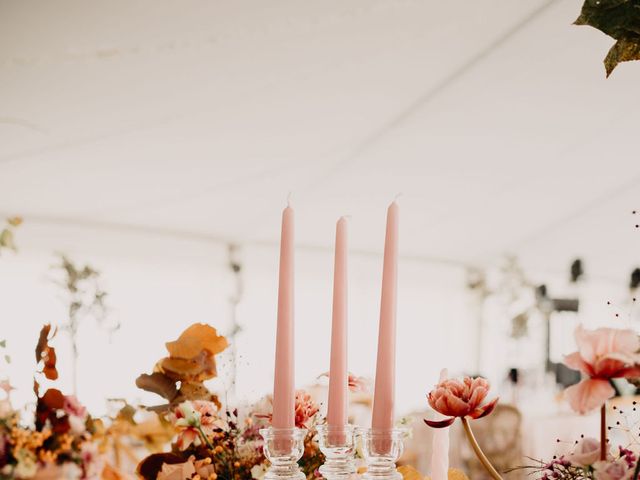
(338, 376)
(440, 450)
(283, 386)
(384, 395)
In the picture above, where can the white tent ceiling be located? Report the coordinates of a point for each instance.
(491, 117)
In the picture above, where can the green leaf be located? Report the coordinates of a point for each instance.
(7, 358)
(3, 344)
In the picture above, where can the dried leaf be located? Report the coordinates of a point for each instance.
(47, 354)
(53, 399)
(409, 473)
(47, 412)
(178, 471)
(454, 474)
(154, 432)
(150, 467)
(14, 221)
(6, 239)
(195, 339)
(620, 19)
(110, 473)
(127, 413)
(43, 341)
(159, 384)
(623, 50)
(194, 391)
(196, 369)
(49, 370)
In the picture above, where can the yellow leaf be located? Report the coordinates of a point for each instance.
(195, 369)
(409, 473)
(455, 474)
(110, 473)
(14, 221)
(195, 339)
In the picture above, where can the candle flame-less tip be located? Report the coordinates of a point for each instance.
(289, 199)
(398, 195)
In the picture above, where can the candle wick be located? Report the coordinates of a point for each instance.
(289, 199)
(398, 195)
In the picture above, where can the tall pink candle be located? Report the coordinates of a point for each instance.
(283, 386)
(338, 376)
(384, 395)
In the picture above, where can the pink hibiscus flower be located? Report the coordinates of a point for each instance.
(602, 354)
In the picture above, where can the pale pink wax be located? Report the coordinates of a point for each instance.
(440, 451)
(338, 376)
(283, 385)
(384, 395)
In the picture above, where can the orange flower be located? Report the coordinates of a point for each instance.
(454, 398)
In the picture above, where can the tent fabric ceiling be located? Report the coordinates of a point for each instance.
(492, 118)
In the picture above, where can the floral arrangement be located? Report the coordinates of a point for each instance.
(181, 375)
(463, 399)
(603, 354)
(62, 432)
(213, 441)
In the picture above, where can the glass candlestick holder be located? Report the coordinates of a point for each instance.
(283, 447)
(381, 450)
(337, 442)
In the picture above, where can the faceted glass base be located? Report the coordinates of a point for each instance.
(283, 447)
(382, 448)
(338, 445)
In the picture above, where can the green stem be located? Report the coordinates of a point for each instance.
(204, 437)
(478, 451)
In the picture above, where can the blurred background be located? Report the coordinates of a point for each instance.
(158, 142)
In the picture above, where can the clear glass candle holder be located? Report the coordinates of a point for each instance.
(381, 450)
(283, 447)
(338, 445)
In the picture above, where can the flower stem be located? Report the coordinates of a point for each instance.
(603, 432)
(204, 437)
(478, 451)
